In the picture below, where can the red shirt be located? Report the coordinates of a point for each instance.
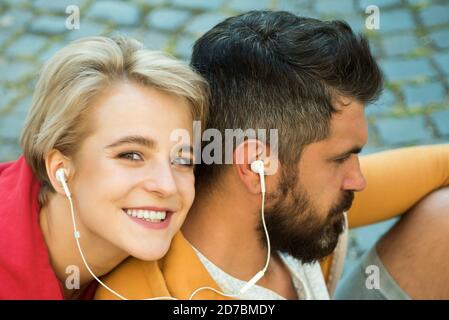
(25, 269)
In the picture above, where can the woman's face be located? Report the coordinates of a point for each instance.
(130, 188)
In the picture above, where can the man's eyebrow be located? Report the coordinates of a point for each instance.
(143, 141)
(355, 149)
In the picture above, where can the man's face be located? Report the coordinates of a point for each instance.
(305, 215)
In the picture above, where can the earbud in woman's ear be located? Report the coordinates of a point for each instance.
(61, 176)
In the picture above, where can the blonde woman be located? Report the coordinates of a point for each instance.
(102, 114)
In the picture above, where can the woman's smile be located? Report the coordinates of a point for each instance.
(150, 217)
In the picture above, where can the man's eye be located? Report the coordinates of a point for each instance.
(342, 160)
(132, 156)
(183, 161)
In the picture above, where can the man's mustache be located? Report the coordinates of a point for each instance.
(345, 204)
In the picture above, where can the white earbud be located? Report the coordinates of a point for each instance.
(258, 167)
(61, 177)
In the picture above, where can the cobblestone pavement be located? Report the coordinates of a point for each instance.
(412, 45)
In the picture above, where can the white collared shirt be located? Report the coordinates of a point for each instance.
(307, 278)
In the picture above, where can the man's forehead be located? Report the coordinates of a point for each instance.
(349, 126)
(348, 120)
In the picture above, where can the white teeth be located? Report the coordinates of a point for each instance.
(149, 215)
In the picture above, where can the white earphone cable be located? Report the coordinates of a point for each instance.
(77, 236)
(258, 275)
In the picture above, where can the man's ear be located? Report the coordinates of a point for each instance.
(55, 160)
(248, 151)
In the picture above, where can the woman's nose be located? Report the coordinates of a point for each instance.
(161, 180)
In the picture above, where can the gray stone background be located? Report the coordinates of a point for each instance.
(412, 46)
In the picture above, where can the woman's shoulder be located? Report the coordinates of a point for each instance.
(23, 253)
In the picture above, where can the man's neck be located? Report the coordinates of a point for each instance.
(56, 225)
(224, 230)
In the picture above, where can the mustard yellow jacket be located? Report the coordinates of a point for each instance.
(396, 180)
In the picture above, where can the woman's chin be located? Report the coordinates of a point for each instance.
(152, 252)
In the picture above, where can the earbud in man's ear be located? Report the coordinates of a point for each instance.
(258, 167)
(61, 176)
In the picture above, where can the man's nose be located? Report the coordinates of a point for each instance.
(355, 180)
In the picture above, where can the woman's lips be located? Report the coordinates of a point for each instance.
(150, 223)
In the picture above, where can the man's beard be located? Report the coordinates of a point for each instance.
(296, 227)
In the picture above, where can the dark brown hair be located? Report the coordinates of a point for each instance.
(276, 70)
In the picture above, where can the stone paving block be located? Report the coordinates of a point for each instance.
(248, 5)
(403, 131)
(363, 4)
(157, 3)
(4, 35)
(400, 44)
(15, 19)
(86, 29)
(167, 19)
(10, 127)
(9, 152)
(50, 25)
(59, 6)
(357, 24)
(441, 121)
(440, 38)
(21, 108)
(418, 2)
(134, 33)
(155, 40)
(423, 94)
(396, 20)
(383, 105)
(120, 13)
(294, 6)
(26, 46)
(16, 71)
(15, 3)
(370, 149)
(408, 69)
(435, 15)
(371, 135)
(332, 7)
(183, 47)
(6, 96)
(204, 22)
(50, 52)
(199, 4)
(442, 60)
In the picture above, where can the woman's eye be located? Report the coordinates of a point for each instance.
(183, 162)
(132, 156)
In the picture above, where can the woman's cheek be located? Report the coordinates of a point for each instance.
(187, 189)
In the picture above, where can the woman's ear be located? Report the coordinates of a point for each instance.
(55, 160)
(246, 153)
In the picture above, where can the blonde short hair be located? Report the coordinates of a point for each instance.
(76, 74)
